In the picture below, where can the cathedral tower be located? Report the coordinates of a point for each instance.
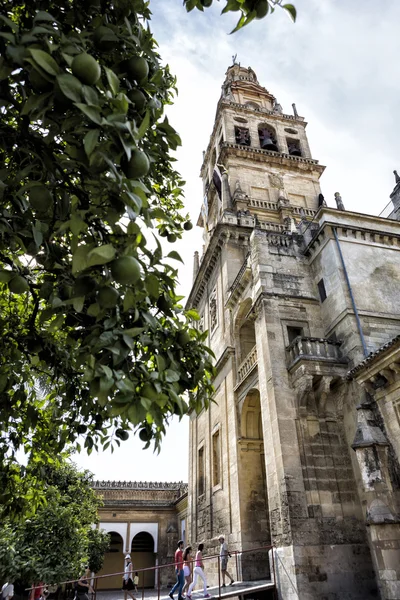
(294, 296)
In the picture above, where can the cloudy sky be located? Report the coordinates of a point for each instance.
(340, 64)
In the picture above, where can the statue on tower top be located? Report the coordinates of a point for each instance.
(234, 57)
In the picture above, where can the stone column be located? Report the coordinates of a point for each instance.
(225, 192)
(383, 521)
(196, 265)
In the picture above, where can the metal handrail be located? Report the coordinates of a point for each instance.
(157, 568)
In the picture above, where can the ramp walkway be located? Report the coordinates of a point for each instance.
(253, 562)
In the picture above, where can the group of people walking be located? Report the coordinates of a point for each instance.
(183, 569)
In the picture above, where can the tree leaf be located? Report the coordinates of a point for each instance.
(92, 112)
(44, 16)
(152, 285)
(90, 141)
(171, 376)
(144, 125)
(192, 314)
(90, 96)
(101, 255)
(10, 23)
(37, 234)
(45, 61)
(173, 254)
(113, 80)
(291, 10)
(78, 303)
(80, 258)
(56, 323)
(70, 86)
(5, 276)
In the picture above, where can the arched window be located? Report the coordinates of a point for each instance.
(143, 557)
(116, 544)
(251, 425)
(293, 147)
(143, 542)
(267, 136)
(247, 338)
(244, 331)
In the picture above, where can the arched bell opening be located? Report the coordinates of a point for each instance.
(143, 557)
(267, 136)
(113, 563)
(255, 524)
(294, 147)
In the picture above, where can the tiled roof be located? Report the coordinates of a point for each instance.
(371, 357)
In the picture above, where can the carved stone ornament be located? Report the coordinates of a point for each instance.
(201, 324)
(140, 485)
(213, 310)
(339, 201)
(276, 181)
(238, 194)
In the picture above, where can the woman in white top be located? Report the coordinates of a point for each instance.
(7, 591)
(198, 572)
(127, 581)
(187, 567)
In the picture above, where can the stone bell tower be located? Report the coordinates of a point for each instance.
(288, 290)
(258, 160)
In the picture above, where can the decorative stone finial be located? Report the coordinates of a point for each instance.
(396, 176)
(321, 200)
(296, 114)
(277, 107)
(339, 201)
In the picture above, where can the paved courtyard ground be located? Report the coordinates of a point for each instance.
(238, 589)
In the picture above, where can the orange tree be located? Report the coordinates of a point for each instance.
(55, 543)
(94, 341)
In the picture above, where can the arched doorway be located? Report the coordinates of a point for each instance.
(113, 563)
(252, 477)
(143, 557)
(255, 526)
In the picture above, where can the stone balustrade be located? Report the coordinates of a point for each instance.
(269, 226)
(308, 212)
(247, 365)
(265, 204)
(314, 349)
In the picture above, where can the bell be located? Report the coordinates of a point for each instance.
(294, 152)
(268, 144)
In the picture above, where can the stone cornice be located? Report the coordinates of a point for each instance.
(133, 503)
(356, 227)
(223, 359)
(373, 363)
(274, 158)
